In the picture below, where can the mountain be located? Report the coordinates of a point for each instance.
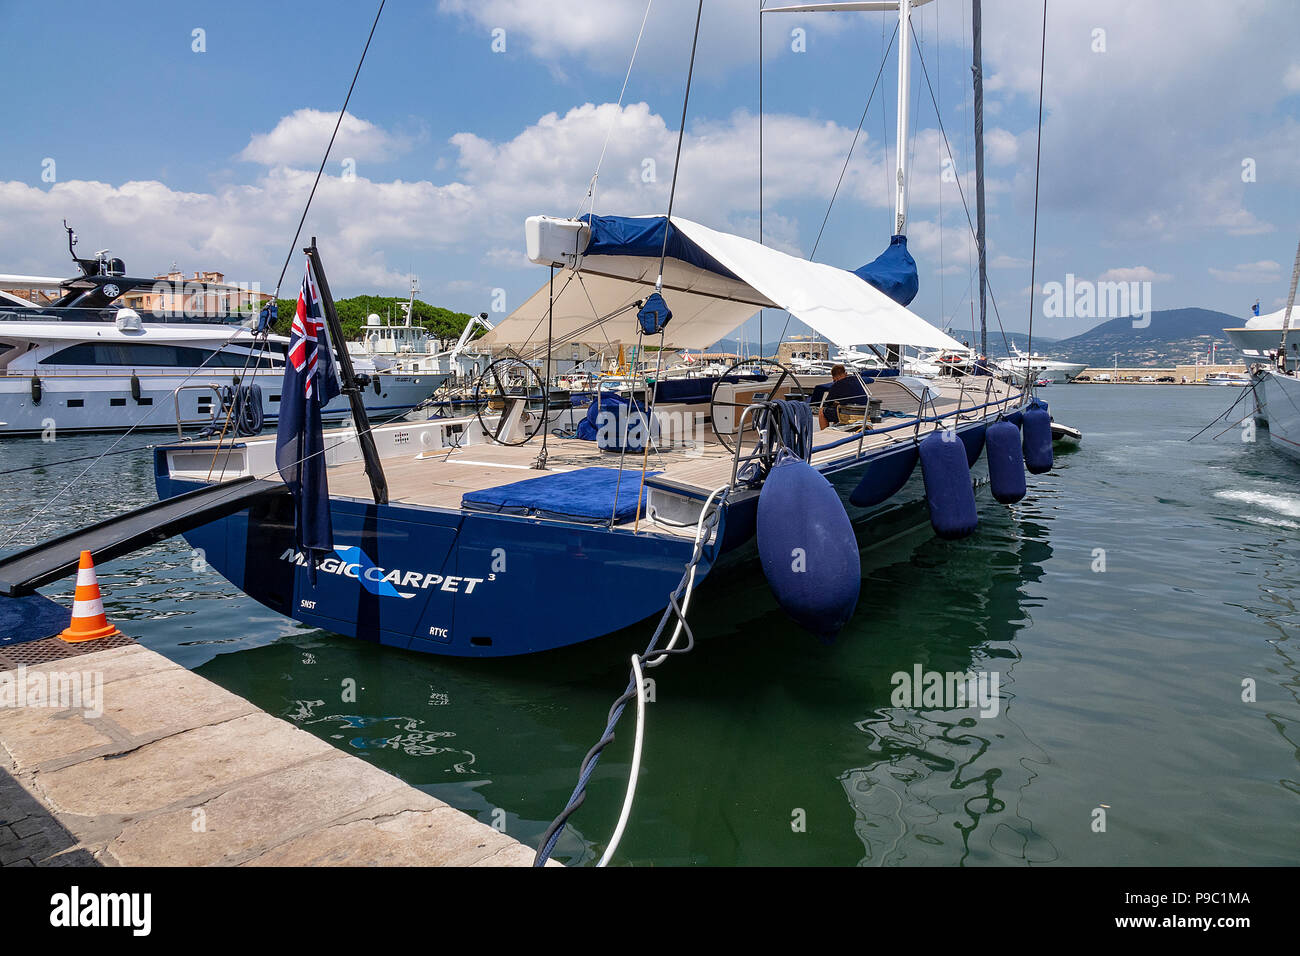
(1174, 337)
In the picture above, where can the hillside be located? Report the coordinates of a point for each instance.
(1174, 336)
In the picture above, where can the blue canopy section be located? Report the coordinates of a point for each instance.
(893, 272)
(644, 236)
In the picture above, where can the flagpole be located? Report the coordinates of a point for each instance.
(374, 470)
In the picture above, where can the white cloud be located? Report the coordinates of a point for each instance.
(1291, 78)
(1266, 270)
(1000, 146)
(604, 35)
(1133, 274)
(508, 257)
(1147, 137)
(545, 169)
(301, 137)
(370, 229)
(242, 230)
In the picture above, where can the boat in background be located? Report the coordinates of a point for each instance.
(1042, 368)
(1236, 379)
(1274, 380)
(408, 348)
(1259, 338)
(74, 359)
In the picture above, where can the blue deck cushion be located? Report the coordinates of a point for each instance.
(585, 495)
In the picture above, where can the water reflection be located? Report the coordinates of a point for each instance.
(1127, 682)
(940, 785)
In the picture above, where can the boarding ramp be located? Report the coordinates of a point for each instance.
(24, 572)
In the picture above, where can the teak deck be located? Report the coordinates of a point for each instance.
(439, 478)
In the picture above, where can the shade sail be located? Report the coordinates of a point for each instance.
(713, 281)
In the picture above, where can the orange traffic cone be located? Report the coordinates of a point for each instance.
(89, 622)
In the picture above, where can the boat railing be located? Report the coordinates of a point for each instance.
(916, 425)
(761, 451)
(176, 403)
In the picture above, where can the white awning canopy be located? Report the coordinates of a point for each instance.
(596, 298)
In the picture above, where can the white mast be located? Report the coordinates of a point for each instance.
(904, 86)
(410, 305)
(904, 8)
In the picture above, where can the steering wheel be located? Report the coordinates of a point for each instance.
(502, 384)
(737, 408)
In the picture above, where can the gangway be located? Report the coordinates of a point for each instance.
(24, 572)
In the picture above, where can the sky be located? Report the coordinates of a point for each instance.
(191, 133)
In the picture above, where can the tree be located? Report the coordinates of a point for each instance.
(442, 323)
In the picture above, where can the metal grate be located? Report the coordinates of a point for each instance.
(55, 649)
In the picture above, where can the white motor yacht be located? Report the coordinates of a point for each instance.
(74, 360)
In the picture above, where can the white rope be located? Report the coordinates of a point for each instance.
(635, 772)
(690, 584)
(591, 187)
(636, 765)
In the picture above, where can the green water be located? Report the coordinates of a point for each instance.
(1119, 689)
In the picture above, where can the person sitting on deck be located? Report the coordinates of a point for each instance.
(843, 388)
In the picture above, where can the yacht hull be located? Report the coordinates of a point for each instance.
(472, 584)
(1282, 400)
(100, 402)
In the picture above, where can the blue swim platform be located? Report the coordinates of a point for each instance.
(585, 495)
(30, 618)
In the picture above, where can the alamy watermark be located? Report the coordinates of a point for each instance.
(60, 690)
(1086, 299)
(953, 690)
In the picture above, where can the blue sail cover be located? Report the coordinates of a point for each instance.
(893, 272)
(644, 236)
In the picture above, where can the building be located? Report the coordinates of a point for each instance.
(803, 347)
(204, 293)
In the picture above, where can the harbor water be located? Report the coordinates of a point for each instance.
(1135, 616)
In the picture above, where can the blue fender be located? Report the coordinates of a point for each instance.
(807, 547)
(948, 489)
(973, 439)
(1006, 462)
(1038, 437)
(884, 478)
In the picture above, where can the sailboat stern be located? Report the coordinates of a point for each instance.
(444, 581)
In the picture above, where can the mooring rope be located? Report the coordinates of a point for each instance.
(678, 602)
